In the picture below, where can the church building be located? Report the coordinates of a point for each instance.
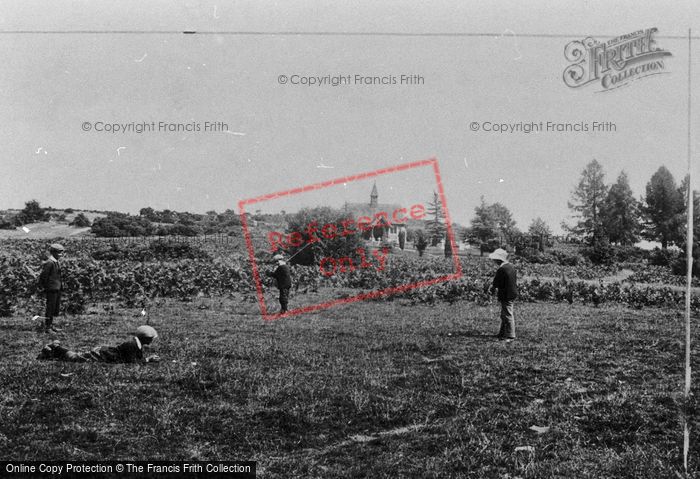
(388, 233)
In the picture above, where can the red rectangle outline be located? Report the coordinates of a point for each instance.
(373, 294)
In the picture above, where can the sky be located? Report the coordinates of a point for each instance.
(71, 64)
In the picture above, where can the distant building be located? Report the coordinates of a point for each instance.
(390, 232)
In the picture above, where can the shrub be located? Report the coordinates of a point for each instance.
(80, 221)
(629, 254)
(601, 252)
(311, 252)
(118, 225)
(7, 223)
(421, 241)
(662, 257)
(154, 251)
(679, 265)
(32, 213)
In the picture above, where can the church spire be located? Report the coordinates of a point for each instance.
(374, 197)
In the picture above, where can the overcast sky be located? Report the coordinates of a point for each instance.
(283, 136)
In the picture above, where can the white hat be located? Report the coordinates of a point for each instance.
(499, 254)
(57, 247)
(146, 332)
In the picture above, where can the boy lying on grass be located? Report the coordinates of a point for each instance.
(128, 352)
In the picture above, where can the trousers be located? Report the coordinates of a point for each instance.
(53, 306)
(284, 299)
(507, 320)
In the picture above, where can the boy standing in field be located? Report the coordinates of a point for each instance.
(506, 283)
(50, 282)
(128, 352)
(283, 280)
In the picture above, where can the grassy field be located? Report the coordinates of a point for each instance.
(372, 389)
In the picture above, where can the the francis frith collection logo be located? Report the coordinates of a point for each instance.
(614, 63)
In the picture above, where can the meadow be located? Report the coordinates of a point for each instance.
(371, 389)
(413, 385)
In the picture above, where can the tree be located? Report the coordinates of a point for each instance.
(483, 224)
(420, 241)
(620, 214)
(679, 266)
(587, 201)
(538, 228)
(32, 212)
(448, 246)
(540, 231)
(505, 224)
(492, 222)
(402, 237)
(436, 227)
(326, 246)
(663, 209)
(80, 221)
(148, 213)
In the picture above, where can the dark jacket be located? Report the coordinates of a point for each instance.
(127, 352)
(506, 282)
(50, 277)
(283, 276)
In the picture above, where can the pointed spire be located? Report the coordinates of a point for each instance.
(374, 197)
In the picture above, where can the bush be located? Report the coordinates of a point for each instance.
(80, 221)
(154, 251)
(31, 213)
(601, 252)
(7, 223)
(311, 252)
(679, 265)
(630, 254)
(420, 241)
(662, 257)
(116, 225)
(532, 255)
(183, 230)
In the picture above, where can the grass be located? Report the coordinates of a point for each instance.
(378, 389)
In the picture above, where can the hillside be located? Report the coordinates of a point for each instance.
(51, 229)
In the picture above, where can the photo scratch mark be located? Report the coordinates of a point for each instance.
(235, 133)
(215, 14)
(40, 149)
(321, 165)
(142, 58)
(514, 36)
(119, 150)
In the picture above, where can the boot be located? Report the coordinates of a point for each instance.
(50, 328)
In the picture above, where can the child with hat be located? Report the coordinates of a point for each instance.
(50, 282)
(128, 352)
(283, 280)
(506, 283)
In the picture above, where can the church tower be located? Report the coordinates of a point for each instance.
(374, 197)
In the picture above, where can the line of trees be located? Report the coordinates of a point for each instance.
(611, 213)
(493, 227)
(166, 222)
